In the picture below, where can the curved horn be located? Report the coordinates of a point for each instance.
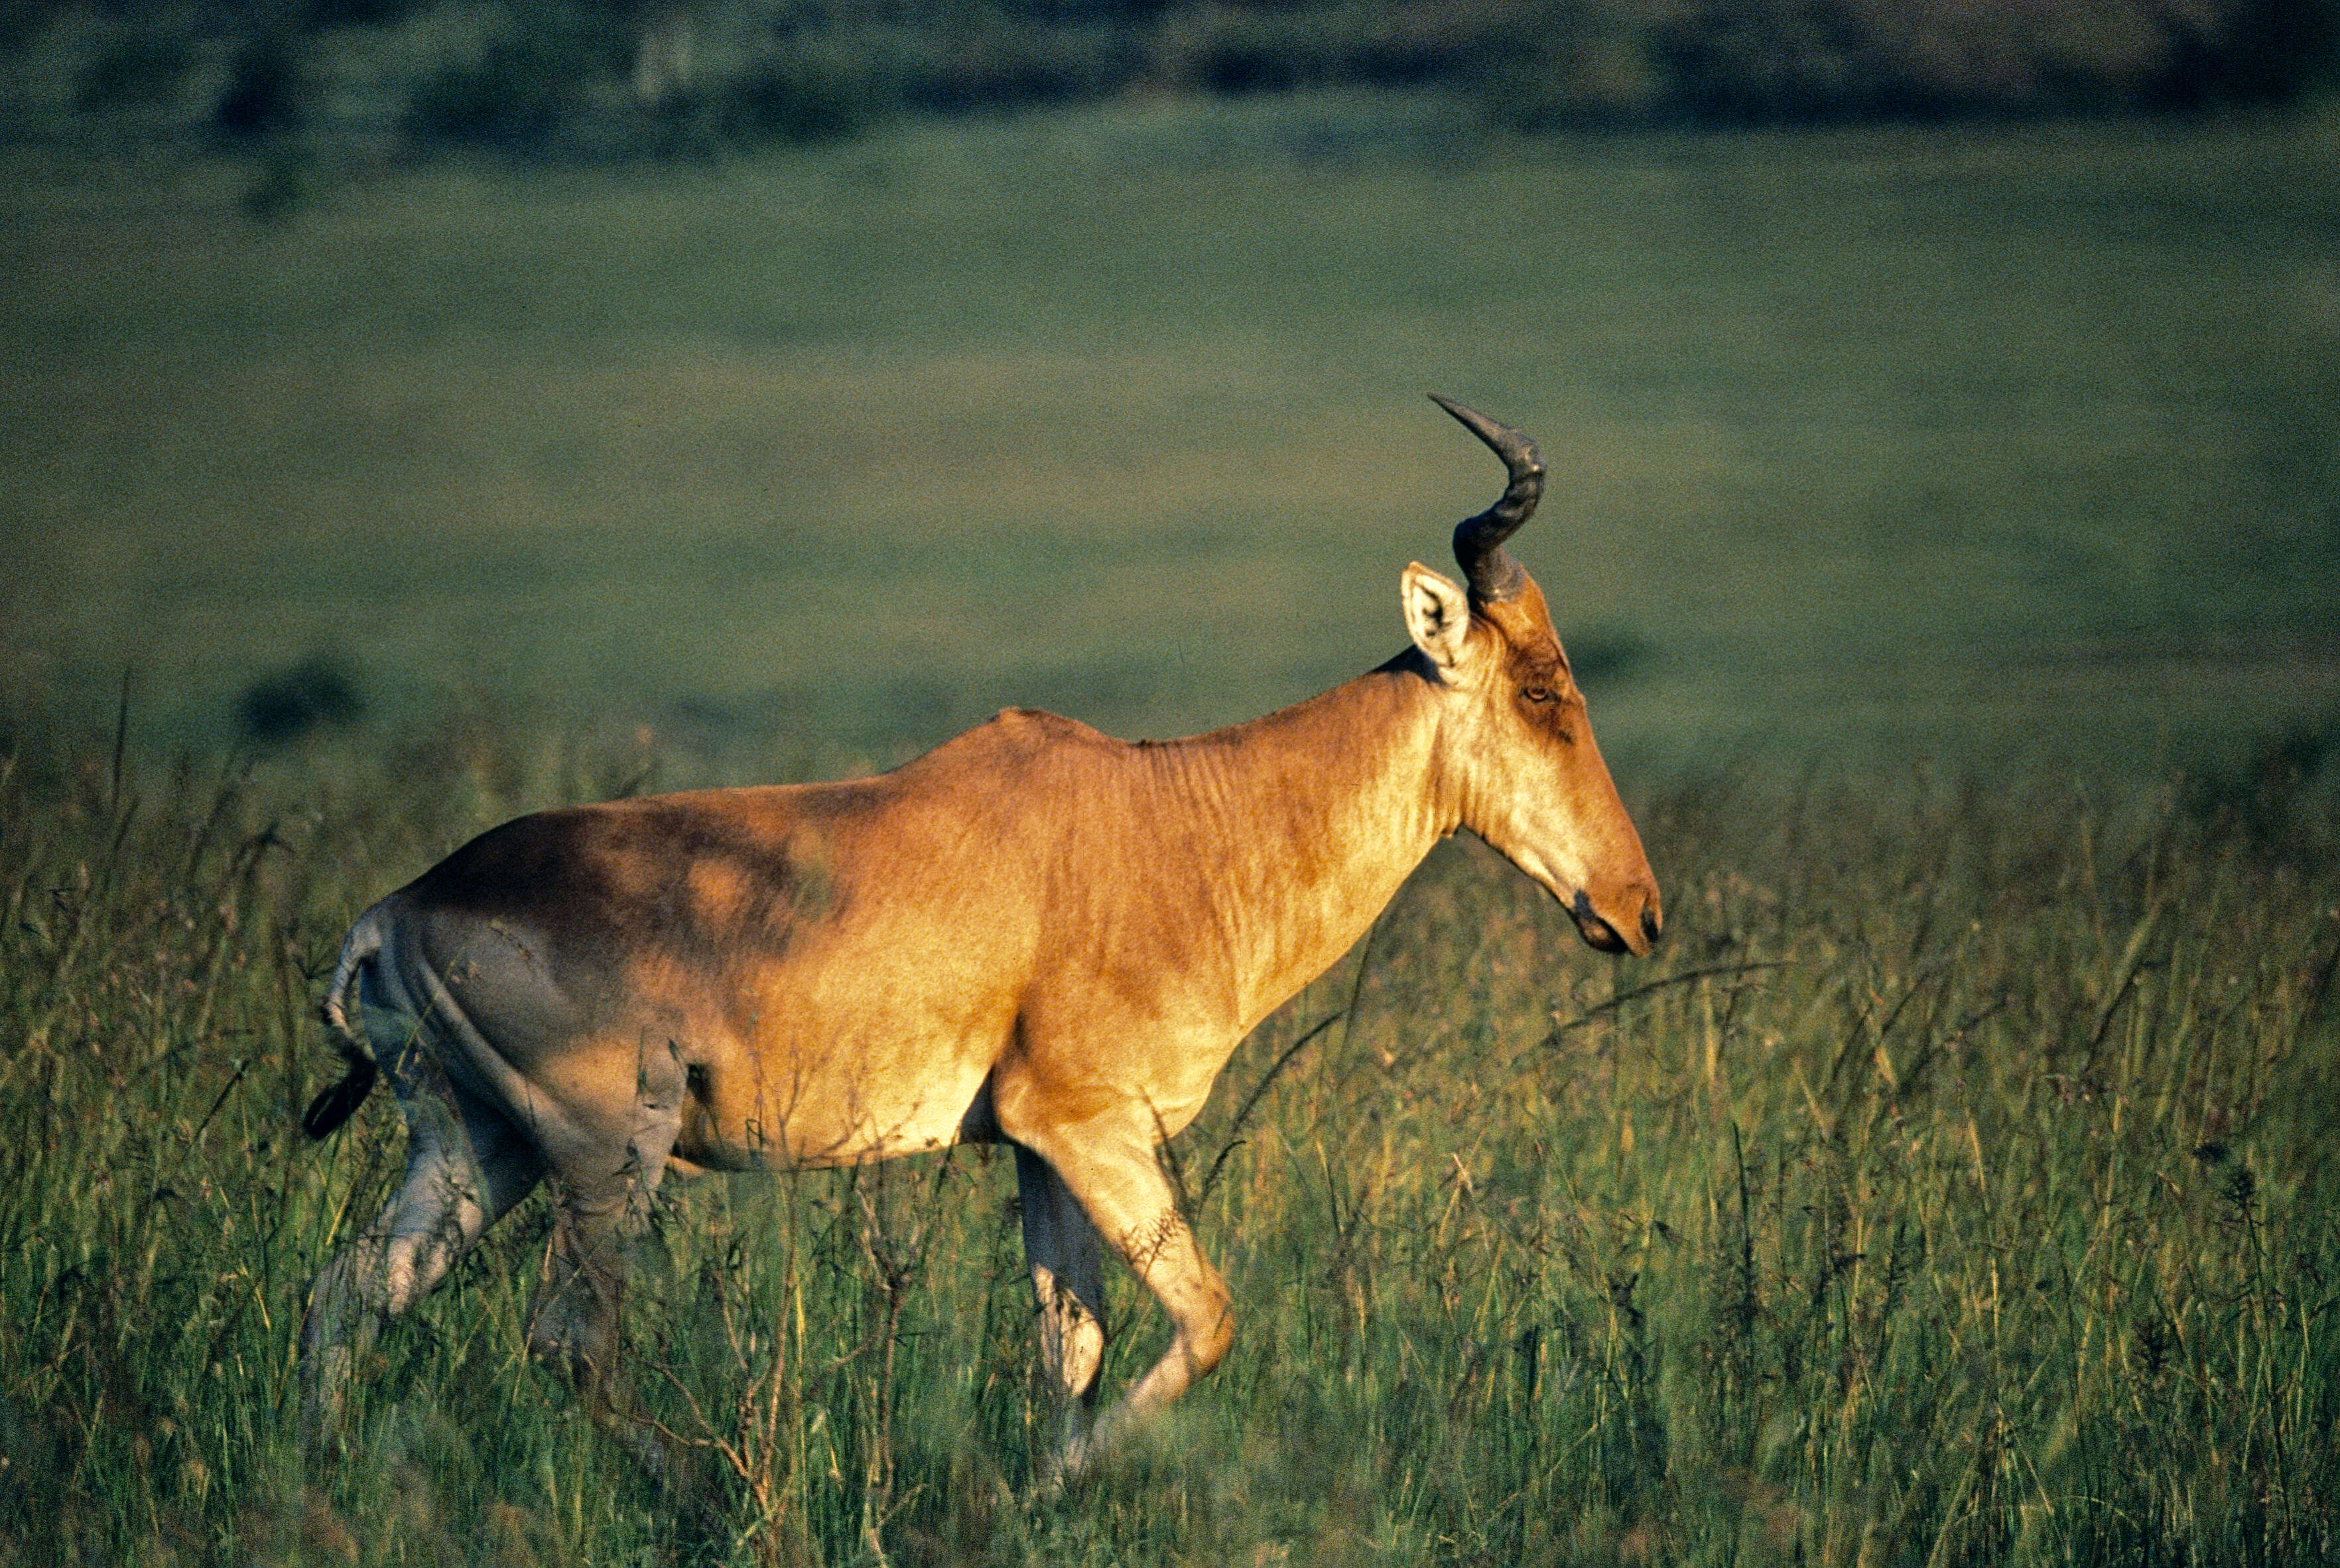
(1479, 541)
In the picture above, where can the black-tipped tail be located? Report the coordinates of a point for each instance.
(337, 1104)
(344, 1022)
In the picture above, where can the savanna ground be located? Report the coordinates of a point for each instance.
(1948, 527)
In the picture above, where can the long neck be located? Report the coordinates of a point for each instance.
(1312, 817)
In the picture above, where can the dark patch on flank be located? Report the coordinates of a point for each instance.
(611, 881)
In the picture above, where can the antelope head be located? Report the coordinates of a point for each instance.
(1517, 753)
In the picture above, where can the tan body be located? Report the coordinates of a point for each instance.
(1033, 934)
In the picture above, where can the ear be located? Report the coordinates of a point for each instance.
(1437, 615)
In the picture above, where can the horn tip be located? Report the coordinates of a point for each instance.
(1514, 446)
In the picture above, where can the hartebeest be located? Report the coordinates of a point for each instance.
(1033, 935)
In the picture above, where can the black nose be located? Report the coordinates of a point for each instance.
(1650, 926)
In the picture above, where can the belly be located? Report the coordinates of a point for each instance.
(795, 1111)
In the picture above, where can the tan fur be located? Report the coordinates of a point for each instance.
(1033, 933)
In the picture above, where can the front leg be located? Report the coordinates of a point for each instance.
(1067, 1259)
(1108, 1165)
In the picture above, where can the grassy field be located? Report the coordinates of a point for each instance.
(1886, 439)
(1954, 1186)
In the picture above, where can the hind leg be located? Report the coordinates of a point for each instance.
(466, 1166)
(573, 1323)
(606, 1170)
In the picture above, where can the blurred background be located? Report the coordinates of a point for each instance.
(781, 387)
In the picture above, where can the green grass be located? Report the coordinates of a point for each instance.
(1953, 1186)
(1956, 1185)
(2011, 438)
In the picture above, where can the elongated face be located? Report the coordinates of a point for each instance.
(1518, 751)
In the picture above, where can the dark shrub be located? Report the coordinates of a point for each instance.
(517, 90)
(134, 69)
(798, 98)
(315, 694)
(264, 85)
(2273, 50)
(680, 77)
(2278, 800)
(979, 66)
(356, 13)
